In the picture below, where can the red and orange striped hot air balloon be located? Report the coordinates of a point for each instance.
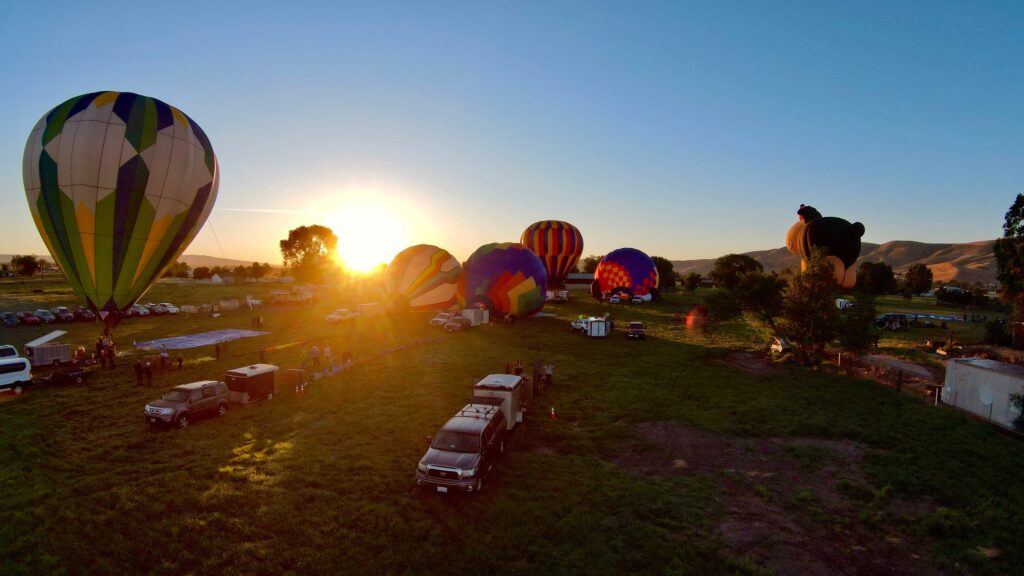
(558, 244)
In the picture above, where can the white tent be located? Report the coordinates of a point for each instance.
(983, 387)
(216, 279)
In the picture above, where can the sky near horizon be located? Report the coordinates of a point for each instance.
(688, 130)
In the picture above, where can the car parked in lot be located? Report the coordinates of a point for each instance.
(155, 309)
(464, 450)
(29, 319)
(83, 313)
(579, 325)
(441, 319)
(637, 300)
(45, 316)
(9, 319)
(458, 324)
(636, 330)
(169, 308)
(63, 314)
(138, 310)
(8, 351)
(183, 404)
(341, 314)
(614, 300)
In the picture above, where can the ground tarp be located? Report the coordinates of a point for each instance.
(197, 340)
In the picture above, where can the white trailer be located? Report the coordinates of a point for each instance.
(983, 387)
(477, 316)
(44, 352)
(511, 390)
(598, 327)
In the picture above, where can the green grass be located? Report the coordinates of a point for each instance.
(322, 483)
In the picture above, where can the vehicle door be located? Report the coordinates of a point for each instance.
(209, 398)
(490, 447)
(195, 401)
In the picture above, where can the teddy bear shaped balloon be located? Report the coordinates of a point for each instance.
(837, 237)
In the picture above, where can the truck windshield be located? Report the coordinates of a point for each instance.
(456, 442)
(175, 396)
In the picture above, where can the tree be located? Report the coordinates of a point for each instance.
(25, 265)
(692, 281)
(1009, 253)
(918, 279)
(178, 270)
(589, 264)
(729, 269)
(757, 293)
(809, 316)
(201, 273)
(240, 272)
(666, 272)
(857, 323)
(876, 278)
(259, 271)
(307, 250)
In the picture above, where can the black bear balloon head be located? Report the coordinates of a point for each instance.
(838, 237)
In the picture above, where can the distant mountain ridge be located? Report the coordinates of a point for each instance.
(193, 260)
(968, 262)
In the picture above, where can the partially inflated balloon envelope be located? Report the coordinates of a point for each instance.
(119, 184)
(626, 270)
(837, 237)
(422, 277)
(507, 278)
(559, 245)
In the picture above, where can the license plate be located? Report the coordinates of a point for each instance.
(152, 420)
(442, 489)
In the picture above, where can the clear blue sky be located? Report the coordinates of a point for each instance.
(684, 129)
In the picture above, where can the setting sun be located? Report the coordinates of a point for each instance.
(369, 234)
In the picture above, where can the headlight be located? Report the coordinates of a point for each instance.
(421, 466)
(469, 472)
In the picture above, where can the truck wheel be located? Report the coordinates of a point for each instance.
(56, 363)
(78, 379)
(270, 395)
(183, 421)
(222, 409)
(17, 389)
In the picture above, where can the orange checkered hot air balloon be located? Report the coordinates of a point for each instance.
(626, 270)
(558, 244)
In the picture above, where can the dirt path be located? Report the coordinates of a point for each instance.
(799, 506)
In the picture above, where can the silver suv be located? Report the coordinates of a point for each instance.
(184, 404)
(464, 450)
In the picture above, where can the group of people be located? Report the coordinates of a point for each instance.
(316, 358)
(543, 374)
(144, 367)
(106, 352)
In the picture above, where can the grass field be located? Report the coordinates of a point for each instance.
(323, 483)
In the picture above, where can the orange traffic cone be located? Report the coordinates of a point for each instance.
(553, 417)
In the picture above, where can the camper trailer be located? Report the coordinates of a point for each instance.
(983, 387)
(251, 383)
(511, 390)
(43, 351)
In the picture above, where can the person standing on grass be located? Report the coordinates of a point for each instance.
(549, 374)
(314, 354)
(216, 350)
(181, 360)
(138, 372)
(148, 371)
(536, 368)
(329, 357)
(519, 367)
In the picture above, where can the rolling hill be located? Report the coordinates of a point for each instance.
(970, 262)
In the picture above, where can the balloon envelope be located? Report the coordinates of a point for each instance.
(558, 244)
(627, 270)
(423, 277)
(118, 185)
(507, 278)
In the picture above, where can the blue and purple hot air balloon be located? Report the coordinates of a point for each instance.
(506, 278)
(625, 270)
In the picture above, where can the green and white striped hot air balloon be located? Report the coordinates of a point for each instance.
(119, 184)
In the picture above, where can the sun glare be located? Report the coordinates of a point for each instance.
(369, 234)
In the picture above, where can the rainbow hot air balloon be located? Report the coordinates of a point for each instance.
(626, 270)
(118, 185)
(422, 277)
(507, 278)
(559, 245)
